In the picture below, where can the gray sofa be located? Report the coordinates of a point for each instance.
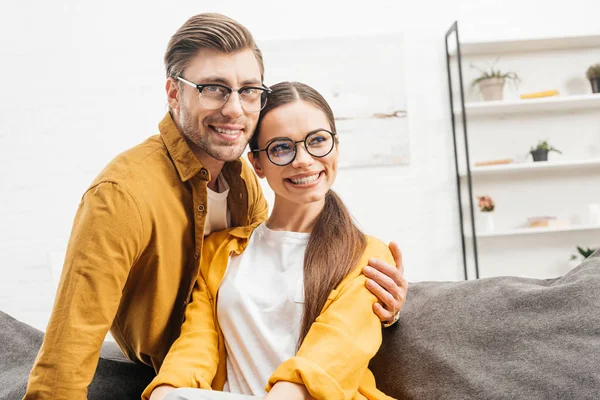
(495, 338)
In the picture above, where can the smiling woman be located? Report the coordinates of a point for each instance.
(270, 283)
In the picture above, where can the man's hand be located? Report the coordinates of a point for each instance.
(388, 284)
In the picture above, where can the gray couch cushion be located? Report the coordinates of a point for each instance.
(115, 378)
(497, 338)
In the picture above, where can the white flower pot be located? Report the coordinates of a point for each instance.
(485, 222)
(492, 89)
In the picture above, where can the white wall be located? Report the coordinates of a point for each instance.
(83, 81)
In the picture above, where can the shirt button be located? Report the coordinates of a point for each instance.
(196, 255)
(201, 208)
(203, 172)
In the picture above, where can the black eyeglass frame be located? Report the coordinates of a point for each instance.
(333, 136)
(200, 86)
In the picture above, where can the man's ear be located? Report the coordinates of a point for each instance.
(173, 94)
(256, 164)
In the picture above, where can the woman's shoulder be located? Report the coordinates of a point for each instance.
(376, 248)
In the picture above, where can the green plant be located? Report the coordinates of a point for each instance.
(585, 252)
(593, 72)
(543, 145)
(494, 73)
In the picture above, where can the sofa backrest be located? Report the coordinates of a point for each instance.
(496, 338)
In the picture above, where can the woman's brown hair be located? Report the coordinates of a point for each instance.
(335, 243)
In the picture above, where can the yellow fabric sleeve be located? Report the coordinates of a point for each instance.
(107, 237)
(193, 358)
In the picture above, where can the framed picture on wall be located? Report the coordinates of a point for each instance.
(362, 78)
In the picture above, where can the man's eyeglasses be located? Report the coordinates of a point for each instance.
(214, 95)
(282, 151)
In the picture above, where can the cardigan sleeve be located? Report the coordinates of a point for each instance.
(193, 358)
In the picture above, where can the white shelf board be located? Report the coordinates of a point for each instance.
(473, 47)
(533, 231)
(503, 169)
(543, 104)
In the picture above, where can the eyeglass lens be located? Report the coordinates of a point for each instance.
(283, 151)
(251, 99)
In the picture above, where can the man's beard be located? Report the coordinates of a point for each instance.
(190, 127)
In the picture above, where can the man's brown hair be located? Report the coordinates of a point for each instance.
(208, 31)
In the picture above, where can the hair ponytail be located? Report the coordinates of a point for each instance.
(334, 247)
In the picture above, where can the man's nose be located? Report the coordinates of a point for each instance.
(233, 106)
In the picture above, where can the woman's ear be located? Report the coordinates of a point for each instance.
(256, 164)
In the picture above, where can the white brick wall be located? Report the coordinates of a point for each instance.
(83, 81)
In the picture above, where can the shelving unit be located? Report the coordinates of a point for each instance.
(539, 105)
(507, 169)
(543, 60)
(469, 48)
(536, 231)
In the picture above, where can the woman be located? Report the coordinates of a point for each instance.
(289, 304)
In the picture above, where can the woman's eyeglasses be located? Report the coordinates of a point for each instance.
(282, 151)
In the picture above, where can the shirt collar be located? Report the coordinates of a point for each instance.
(184, 159)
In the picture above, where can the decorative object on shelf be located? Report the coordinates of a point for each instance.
(491, 82)
(485, 219)
(537, 95)
(494, 162)
(593, 74)
(540, 152)
(547, 222)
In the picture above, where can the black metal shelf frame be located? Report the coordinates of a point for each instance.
(454, 30)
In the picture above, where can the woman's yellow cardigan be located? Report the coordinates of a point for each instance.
(332, 362)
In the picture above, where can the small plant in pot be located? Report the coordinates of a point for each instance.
(491, 82)
(584, 253)
(540, 152)
(485, 219)
(593, 74)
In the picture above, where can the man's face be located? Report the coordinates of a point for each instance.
(222, 133)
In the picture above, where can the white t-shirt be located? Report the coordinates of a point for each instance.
(259, 307)
(218, 217)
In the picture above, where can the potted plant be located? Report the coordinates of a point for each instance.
(491, 82)
(593, 74)
(540, 152)
(584, 253)
(486, 208)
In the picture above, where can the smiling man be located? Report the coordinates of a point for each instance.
(133, 256)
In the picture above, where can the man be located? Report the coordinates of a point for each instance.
(133, 255)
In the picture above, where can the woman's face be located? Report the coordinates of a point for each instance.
(306, 179)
